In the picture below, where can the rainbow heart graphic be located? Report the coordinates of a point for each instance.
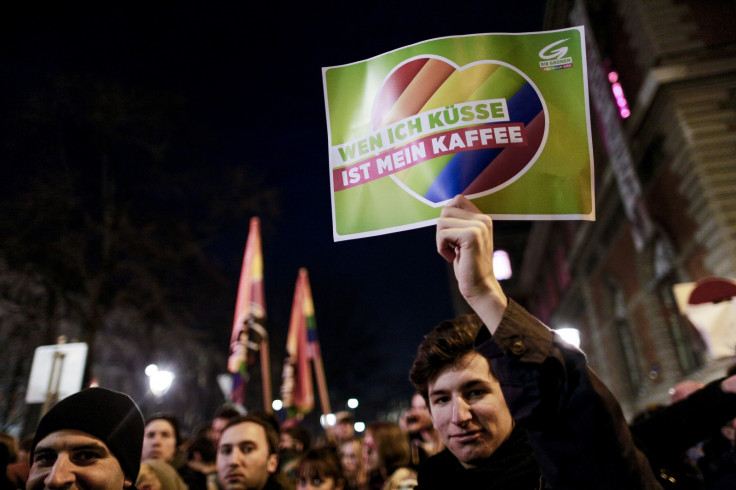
(429, 83)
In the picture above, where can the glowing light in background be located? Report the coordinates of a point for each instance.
(570, 335)
(328, 420)
(159, 381)
(618, 94)
(501, 265)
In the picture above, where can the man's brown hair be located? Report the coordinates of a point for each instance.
(272, 432)
(442, 347)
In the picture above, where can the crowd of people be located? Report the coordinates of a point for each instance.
(501, 402)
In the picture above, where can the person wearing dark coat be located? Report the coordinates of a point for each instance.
(516, 406)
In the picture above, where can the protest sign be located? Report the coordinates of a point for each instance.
(500, 118)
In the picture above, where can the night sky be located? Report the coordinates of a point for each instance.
(250, 75)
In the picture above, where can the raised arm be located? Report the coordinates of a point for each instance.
(465, 238)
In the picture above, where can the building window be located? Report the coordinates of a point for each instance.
(688, 345)
(627, 339)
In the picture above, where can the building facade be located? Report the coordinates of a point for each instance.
(665, 173)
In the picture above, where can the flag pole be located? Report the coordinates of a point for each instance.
(266, 376)
(319, 372)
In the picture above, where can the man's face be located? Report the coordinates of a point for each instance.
(469, 410)
(344, 430)
(72, 460)
(159, 440)
(243, 459)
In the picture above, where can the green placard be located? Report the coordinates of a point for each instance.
(500, 118)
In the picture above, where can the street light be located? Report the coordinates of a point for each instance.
(353, 403)
(570, 335)
(327, 420)
(159, 381)
(501, 265)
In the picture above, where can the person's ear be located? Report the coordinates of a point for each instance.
(127, 483)
(273, 463)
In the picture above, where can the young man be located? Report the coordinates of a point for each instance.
(91, 439)
(515, 405)
(247, 454)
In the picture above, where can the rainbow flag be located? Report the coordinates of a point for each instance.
(302, 346)
(250, 311)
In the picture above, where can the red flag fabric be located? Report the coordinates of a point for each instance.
(250, 311)
(302, 346)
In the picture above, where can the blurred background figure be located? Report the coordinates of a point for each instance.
(687, 442)
(319, 469)
(223, 414)
(424, 439)
(344, 427)
(159, 475)
(5, 483)
(294, 441)
(351, 460)
(718, 463)
(201, 456)
(387, 456)
(684, 389)
(161, 441)
(18, 471)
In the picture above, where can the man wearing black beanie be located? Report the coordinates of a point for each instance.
(91, 439)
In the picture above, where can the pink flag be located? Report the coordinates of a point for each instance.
(302, 346)
(250, 311)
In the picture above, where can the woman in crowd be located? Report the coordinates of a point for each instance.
(319, 469)
(158, 475)
(351, 460)
(387, 455)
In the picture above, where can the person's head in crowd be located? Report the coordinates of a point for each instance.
(147, 478)
(18, 472)
(222, 416)
(10, 442)
(24, 448)
(161, 437)
(159, 475)
(385, 448)
(295, 440)
(201, 450)
(247, 453)
(91, 439)
(344, 426)
(319, 469)
(462, 394)
(4, 461)
(351, 459)
(417, 418)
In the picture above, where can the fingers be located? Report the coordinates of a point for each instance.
(462, 223)
(462, 202)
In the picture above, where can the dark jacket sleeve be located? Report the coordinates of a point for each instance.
(672, 429)
(574, 423)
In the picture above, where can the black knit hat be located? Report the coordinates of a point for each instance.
(112, 417)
